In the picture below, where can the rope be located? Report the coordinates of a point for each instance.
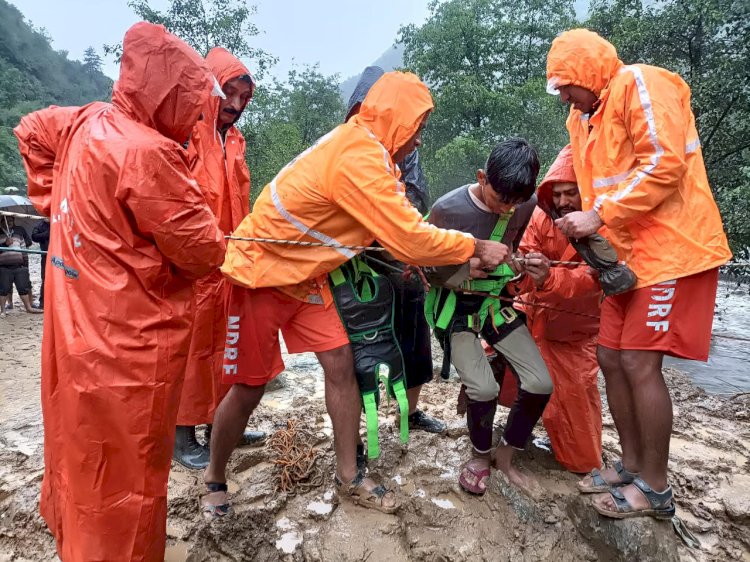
(23, 215)
(307, 244)
(296, 458)
(526, 303)
(21, 250)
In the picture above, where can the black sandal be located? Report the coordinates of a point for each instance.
(215, 510)
(600, 485)
(661, 504)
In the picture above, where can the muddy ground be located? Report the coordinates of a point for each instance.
(709, 471)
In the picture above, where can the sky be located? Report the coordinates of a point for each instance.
(342, 36)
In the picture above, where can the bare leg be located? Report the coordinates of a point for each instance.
(653, 417)
(26, 300)
(343, 405)
(3, 301)
(412, 394)
(229, 424)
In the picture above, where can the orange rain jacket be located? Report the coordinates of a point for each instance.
(573, 417)
(639, 162)
(129, 230)
(218, 165)
(344, 189)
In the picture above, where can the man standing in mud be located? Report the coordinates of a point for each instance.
(343, 192)
(120, 298)
(643, 183)
(216, 152)
(410, 325)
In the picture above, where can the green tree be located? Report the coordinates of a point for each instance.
(485, 63)
(205, 24)
(92, 62)
(286, 118)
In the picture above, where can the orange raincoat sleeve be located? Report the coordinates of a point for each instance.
(657, 129)
(39, 137)
(378, 202)
(563, 283)
(183, 228)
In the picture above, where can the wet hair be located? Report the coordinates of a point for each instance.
(512, 169)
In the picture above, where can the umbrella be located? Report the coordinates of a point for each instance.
(18, 204)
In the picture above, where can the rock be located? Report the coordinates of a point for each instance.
(277, 383)
(641, 538)
(738, 508)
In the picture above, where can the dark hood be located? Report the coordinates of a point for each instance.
(370, 75)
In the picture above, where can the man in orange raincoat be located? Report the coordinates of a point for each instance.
(343, 191)
(217, 161)
(573, 416)
(639, 166)
(130, 229)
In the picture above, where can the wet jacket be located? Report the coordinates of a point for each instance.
(639, 162)
(129, 231)
(411, 170)
(218, 165)
(344, 189)
(567, 341)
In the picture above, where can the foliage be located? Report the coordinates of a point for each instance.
(205, 24)
(32, 76)
(485, 63)
(92, 62)
(285, 118)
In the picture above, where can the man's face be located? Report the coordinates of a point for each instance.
(238, 92)
(491, 198)
(413, 143)
(566, 198)
(580, 98)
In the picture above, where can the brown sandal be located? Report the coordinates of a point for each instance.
(366, 498)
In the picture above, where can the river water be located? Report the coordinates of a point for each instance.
(728, 368)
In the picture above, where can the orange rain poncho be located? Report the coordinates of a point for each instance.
(219, 167)
(573, 417)
(130, 229)
(639, 162)
(344, 189)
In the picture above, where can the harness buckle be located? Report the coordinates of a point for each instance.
(508, 313)
(476, 323)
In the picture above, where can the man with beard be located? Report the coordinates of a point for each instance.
(566, 340)
(217, 161)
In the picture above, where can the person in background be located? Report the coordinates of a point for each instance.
(40, 235)
(14, 266)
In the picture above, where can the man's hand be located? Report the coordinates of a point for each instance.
(517, 264)
(537, 267)
(491, 254)
(579, 224)
(414, 272)
(475, 269)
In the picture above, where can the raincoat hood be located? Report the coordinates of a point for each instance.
(560, 171)
(163, 82)
(370, 75)
(393, 109)
(225, 67)
(580, 57)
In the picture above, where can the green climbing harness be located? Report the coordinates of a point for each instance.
(364, 301)
(440, 304)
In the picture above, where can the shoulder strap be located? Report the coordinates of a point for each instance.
(502, 224)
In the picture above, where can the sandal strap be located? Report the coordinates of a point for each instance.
(216, 487)
(626, 477)
(657, 500)
(379, 491)
(596, 478)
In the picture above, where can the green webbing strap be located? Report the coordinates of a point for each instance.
(371, 416)
(337, 276)
(403, 407)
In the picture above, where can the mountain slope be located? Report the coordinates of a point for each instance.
(391, 59)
